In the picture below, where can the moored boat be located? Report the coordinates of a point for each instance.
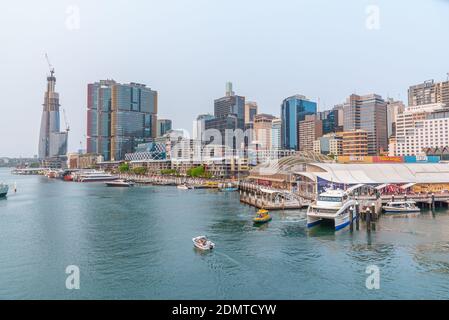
(185, 186)
(3, 190)
(401, 207)
(332, 205)
(119, 183)
(94, 176)
(227, 187)
(262, 216)
(202, 243)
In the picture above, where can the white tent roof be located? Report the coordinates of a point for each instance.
(383, 173)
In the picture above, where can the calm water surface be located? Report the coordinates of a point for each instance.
(136, 243)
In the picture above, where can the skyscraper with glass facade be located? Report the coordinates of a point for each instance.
(163, 126)
(368, 113)
(52, 142)
(119, 117)
(229, 115)
(293, 110)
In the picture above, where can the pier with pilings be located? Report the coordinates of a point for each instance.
(270, 198)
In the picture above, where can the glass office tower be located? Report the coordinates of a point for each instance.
(119, 117)
(52, 141)
(293, 110)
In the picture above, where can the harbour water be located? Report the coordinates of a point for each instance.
(135, 243)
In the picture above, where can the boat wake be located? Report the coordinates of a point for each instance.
(228, 257)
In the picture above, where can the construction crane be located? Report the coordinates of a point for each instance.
(67, 127)
(52, 69)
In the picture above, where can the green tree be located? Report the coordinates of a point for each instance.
(169, 172)
(124, 167)
(196, 172)
(140, 170)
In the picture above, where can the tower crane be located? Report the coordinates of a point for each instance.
(67, 127)
(50, 66)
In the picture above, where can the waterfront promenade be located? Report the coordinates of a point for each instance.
(173, 181)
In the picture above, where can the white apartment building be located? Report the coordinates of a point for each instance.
(421, 127)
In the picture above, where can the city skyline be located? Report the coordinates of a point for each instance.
(329, 71)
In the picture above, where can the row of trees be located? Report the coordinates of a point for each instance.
(124, 168)
(196, 172)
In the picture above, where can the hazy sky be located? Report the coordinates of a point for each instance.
(188, 49)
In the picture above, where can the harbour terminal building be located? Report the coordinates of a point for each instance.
(308, 175)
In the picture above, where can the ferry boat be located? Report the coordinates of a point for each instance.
(3, 190)
(331, 205)
(119, 183)
(202, 243)
(401, 207)
(95, 176)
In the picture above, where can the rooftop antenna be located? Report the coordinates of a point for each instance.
(52, 69)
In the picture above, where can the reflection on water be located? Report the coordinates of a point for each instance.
(136, 243)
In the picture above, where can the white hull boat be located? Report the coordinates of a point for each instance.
(333, 205)
(202, 243)
(120, 183)
(401, 207)
(184, 187)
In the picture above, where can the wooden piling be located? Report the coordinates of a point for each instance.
(351, 218)
(357, 216)
(368, 219)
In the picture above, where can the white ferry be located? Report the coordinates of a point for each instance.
(94, 176)
(3, 190)
(331, 205)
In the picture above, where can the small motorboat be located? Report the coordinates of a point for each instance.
(119, 183)
(3, 190)
(262, 216)
(185, 186)
(227, 187)
(202, 243)
(401, 207)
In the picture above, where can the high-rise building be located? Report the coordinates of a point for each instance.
(393, 109)
(250, 111)
(119, 117)
(355, 143)
(163, 126)
(199, 125)
(262, 130)
(293, 110)
(368, 113)
(310, 129)
(429, 92)
(329, 144)
(229, 115)
(420, 127)
(52, 142)
(339, 113)
(329, 120)
(276, 133)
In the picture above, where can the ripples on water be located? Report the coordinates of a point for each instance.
(136, 243)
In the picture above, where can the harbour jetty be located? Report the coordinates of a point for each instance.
(198, 183)
(270, 198)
